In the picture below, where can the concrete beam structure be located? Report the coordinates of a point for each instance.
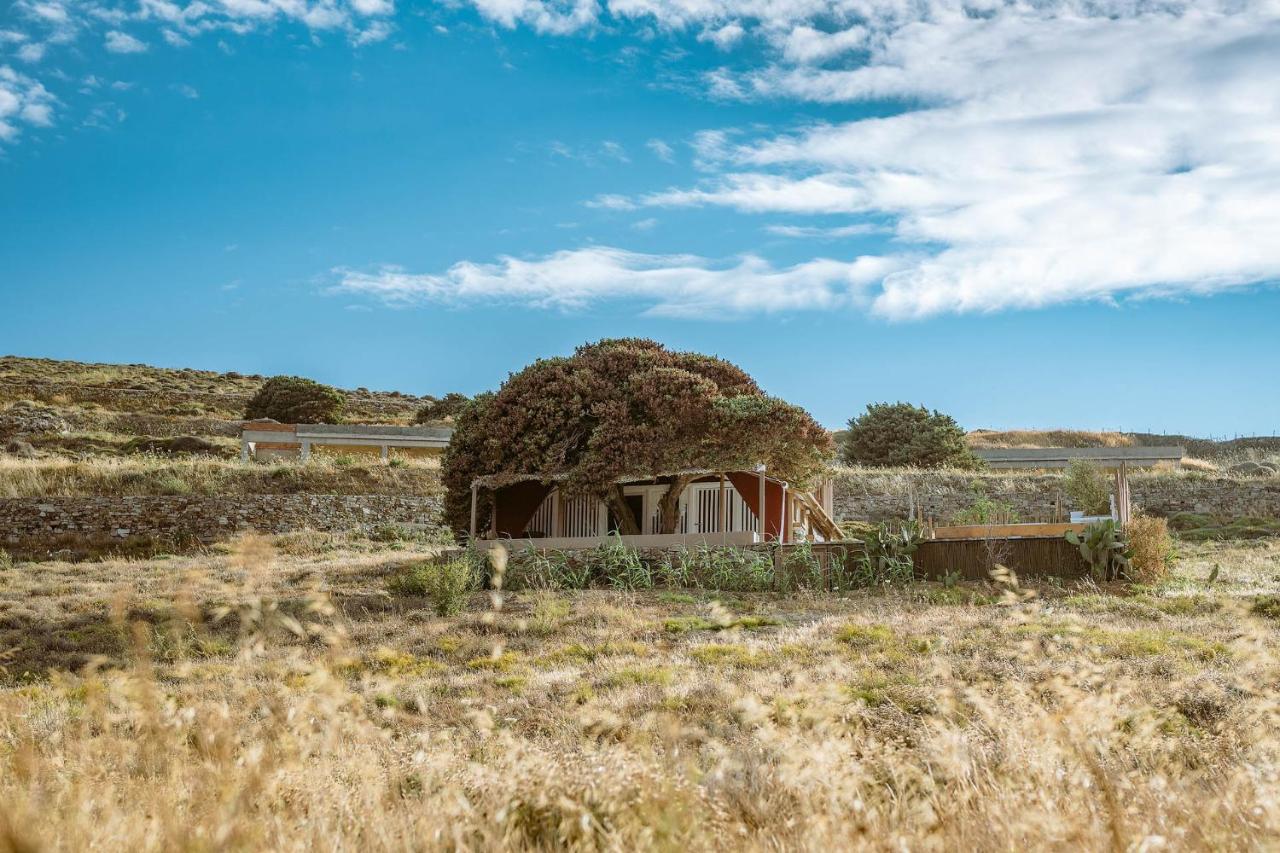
(1061, 457)
(263, 440)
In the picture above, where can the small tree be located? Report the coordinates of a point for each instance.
(445, 408)
(1087, 486)
(295, 400)
(628, 408)
(893, 435)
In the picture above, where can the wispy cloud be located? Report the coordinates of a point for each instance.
(824, 233)
(661, 150)
(119, 42)
(671, 285)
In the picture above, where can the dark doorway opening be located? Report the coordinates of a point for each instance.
(636, 504)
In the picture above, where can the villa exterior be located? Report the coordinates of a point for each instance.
(718, 508)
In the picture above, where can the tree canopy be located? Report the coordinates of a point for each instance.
(628, 408)
(892, 435)
(443, 408)
(296, 400)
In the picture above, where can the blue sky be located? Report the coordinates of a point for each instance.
(1024, 217)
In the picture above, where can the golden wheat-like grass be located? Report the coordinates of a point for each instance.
(266, 701)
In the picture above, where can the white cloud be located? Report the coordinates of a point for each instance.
(186, 91)
(757, 192)
(120, 42)
(724, 37)
(671, 285)
(1050, 154)
(32, 52)
(23, 101)
(820, 233)
(661, 150)
(556, 18)
(804, 44)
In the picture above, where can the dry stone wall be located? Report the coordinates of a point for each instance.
(887, 495)
(26, 523)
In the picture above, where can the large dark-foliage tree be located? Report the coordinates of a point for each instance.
(627, 408)
(892, 435)
(295, 400)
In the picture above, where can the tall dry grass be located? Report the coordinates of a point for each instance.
(154, 475)
(1047, 438)
(1150, 547)
(578, 723)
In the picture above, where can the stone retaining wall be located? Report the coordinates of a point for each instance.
(888, 495)
(27, 523)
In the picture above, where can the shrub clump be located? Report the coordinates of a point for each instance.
(447, 584)
(894, 435)
(444, 408)
(296, 400)
(1087, 487)
(1150, 548)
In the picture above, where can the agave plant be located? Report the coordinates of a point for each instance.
(1103, 547)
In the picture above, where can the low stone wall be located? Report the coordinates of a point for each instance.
(888, 495)
(27, 524)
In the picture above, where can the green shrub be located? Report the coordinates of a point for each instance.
(535, 568)
(801, 569)
(6, 560)
(984, 510)
(446, 583)
(447, 407)
(620, 566)
(392, 532)
(721, 568)
(1266, 606)
(296, 400)
(893, 435)
(1087, 486)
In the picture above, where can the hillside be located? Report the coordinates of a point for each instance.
(1247, 448)
(69, 408)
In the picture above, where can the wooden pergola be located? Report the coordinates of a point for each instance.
(791, 504)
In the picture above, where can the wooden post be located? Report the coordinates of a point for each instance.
(763, 514)
(1123, 506)
(473, 511)
(493, 516)
(785, 532)
(724, 509)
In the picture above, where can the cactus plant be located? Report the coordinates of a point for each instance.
(1103, 547)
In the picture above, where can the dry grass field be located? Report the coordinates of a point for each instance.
(203, 475)
(275, 695)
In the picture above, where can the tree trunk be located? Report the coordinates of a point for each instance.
(627, 523)
(669, 505)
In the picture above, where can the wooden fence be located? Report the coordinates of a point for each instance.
(972, 559)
